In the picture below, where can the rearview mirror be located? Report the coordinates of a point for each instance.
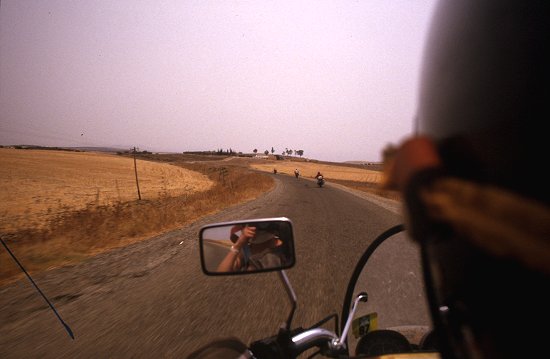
(247, 246)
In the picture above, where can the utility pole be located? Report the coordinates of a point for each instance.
(223, 173)
(135, 170)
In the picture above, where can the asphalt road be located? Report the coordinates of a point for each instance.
(151, 299)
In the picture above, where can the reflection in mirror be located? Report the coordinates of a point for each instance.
(256, 245)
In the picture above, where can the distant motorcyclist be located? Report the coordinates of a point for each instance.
(320, 179)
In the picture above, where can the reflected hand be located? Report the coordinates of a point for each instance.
(246, 234)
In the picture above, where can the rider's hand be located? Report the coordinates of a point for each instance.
(414, 155)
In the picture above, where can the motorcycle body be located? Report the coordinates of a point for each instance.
(220, 255)
(320, 181)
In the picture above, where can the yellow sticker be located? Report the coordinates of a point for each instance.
(362, 325)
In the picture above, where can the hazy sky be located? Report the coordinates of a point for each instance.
(337, 79)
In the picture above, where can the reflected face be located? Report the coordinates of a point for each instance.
(263, 237)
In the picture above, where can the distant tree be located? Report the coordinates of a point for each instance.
(300, 153)
(289, 152)
(266, 152)
(272, 150)
(255, 150)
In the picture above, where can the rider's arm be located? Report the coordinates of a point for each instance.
(231, 262)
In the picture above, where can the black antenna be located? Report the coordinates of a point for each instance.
(67, 328)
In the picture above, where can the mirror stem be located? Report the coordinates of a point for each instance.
(361, 297)
(291, 296)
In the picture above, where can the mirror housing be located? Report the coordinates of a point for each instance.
(247, 246)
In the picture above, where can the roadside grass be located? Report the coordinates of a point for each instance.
(75, 235)
(370, 187)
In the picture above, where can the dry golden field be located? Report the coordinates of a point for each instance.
(60, 207)
(38, 185)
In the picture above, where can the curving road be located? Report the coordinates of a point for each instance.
(151, 299)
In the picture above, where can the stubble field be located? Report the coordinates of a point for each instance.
(39, 185)
(60, 207)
